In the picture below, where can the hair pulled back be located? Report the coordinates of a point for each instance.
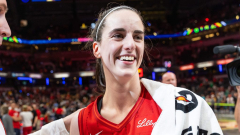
(96, 35)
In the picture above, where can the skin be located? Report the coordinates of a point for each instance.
(169, 78)
(237, 108)
(4, 27)
(121, 36)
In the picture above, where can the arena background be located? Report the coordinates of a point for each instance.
(44, 61)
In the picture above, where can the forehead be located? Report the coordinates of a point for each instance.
(169, 75)
(119, 19)
(3, 2)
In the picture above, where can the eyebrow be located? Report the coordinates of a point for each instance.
(123, 30)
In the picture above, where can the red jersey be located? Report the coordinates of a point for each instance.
(16, 124)
(59, 111)
(38, 113)
(140, 120)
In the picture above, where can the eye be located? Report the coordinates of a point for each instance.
(138, 37)
(118, 36)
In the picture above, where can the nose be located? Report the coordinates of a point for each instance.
(129, 43)
(4, 28)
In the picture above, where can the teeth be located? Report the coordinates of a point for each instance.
(127, 58)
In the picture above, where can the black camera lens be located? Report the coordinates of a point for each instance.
(238, 71)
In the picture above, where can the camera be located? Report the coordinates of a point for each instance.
(233, 68)
(233, 71)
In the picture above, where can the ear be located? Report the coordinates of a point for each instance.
(96, 49)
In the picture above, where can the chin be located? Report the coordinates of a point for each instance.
(126, 74)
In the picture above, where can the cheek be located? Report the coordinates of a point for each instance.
(109, 51)
(140, 50)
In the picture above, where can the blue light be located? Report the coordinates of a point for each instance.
(149, 24)
(44, 0)
(20, 91)
(93, 25)
(25, 78)
(223, 23)
(63, 82)
(80, 80)
(220, 68)
(51, 71)
(185, 33)
(153, 75)
(1, 69)
(47, 81)
(25, 1)
(164, 36)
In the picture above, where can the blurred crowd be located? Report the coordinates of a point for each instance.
(169, 24)
(30, 108)
(22, 63)
(214, 91)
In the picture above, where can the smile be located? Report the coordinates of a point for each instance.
(126, 58)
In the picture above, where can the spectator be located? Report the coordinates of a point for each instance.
(37, 122)
(169, 78)
(230, 100)
(59, 112)
(16, 118)
(27, 117)
(7, 121)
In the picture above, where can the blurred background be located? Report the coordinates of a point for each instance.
(44, 64)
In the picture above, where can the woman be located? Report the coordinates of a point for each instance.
(6, 121)
(130, 105)
(27, 117)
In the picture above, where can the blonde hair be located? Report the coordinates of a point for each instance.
(4, 109)
(24, 108)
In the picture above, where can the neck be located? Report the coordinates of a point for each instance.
(121, 95)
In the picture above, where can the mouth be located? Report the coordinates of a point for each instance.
(126, 58)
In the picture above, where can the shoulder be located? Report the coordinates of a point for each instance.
(4, 117)
(157, 87)
(185, 92)
(10, 112)
(74, 126)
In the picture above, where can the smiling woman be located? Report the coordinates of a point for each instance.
(130, 105)
(115, 30)
(4, 27)
(4, 32)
